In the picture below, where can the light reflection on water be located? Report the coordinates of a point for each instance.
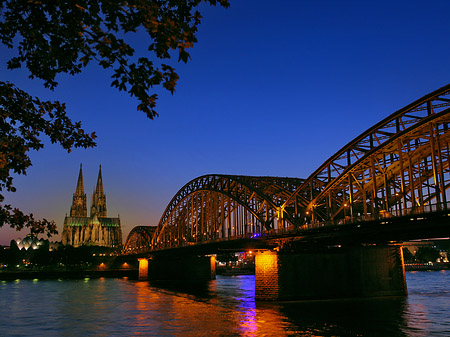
(224, 307)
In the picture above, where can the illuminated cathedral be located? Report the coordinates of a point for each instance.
(97, 229)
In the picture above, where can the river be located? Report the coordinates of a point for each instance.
(224, 307)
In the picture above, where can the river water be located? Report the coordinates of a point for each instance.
(224, 307)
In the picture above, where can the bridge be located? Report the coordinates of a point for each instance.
(388, 184)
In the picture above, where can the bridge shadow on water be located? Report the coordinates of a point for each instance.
(196, 290)
(348, 317)
(385, 316)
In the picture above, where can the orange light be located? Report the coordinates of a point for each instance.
(143, 269)
(266, 262)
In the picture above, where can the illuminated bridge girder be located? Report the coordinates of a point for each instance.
(218, 207)
(402, 174)
(139, 239)
(400, 163)
(397, 167)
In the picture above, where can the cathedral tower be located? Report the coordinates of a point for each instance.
(79, 208)
(98, 207)
(79, 229)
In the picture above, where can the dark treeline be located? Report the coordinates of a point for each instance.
(63, 257)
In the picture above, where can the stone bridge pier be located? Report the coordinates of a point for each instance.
(364, 271)
(338, 272)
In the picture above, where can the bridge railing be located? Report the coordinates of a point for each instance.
(414, 211)
(396, 213)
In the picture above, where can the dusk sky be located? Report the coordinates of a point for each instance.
(273, 88)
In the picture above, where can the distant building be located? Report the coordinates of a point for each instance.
(97, 229)
(30, 242)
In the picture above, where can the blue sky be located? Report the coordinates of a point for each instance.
(273, 89)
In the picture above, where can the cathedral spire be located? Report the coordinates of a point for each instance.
(80, 185)
(79, 208)
(99, 198)
(99, 188)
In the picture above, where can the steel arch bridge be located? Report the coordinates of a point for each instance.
(397, 167)
(139, 239)
(218, 207)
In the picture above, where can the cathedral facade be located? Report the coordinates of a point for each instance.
(96, 229)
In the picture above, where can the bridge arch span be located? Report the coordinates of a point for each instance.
(399, 164)
(139, 239)
(217, 207)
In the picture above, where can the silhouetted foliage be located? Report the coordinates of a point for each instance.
(53, 37)
(14, 255)
(426, 254)
(71, 256)
(40, 256)
(24, 119)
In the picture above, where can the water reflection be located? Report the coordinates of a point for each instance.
(233, 298)
(192, 289)
(242, 303)
(380, 316)
(428, 303)
(246, 307)
(224, 307)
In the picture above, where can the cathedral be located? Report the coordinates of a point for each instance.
(97, 229)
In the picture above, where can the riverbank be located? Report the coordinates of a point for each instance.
(67, 274)
(133, 273)
(426, 266)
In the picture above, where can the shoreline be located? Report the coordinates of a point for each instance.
(67, 274)
(133, 273)
(426, 266)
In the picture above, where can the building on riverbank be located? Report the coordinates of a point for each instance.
(97, 229)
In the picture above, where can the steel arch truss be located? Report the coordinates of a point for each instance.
(219, 207)
(399, 165)
(139, 239)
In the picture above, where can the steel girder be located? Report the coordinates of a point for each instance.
(214, 207)
(400, 163)
(139, 239)
(398, 166)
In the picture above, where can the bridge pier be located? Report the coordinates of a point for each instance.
(365, 271)
(143, 269)
(175, 268)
